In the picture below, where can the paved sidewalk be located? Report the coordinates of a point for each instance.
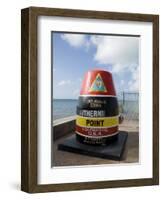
(131, 154)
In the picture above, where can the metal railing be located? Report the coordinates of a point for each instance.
(129, 105)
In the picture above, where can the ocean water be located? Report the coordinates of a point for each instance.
(64, 108)
(67, 107)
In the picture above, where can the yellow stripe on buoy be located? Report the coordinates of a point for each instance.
(97, 122)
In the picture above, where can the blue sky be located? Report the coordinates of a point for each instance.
(75, 54)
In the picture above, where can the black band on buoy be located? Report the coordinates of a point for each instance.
(107, 104)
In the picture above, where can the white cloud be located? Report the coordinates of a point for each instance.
(76, 92)
(80, 80)
(120, 52)
(75, 40)
(122, 82)
(134, 83)
(64, 82)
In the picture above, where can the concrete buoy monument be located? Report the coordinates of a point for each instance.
(96, 130)
(97, 111)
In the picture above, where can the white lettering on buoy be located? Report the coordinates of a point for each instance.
(92, 113)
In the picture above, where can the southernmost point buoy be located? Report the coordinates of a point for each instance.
(97, 111)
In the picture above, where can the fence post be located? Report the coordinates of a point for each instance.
(123, 96)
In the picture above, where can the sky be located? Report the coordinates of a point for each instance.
(74, 54)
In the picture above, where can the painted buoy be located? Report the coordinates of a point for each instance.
(97, 111)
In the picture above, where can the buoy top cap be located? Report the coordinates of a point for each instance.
(98, 82)
(99, 70)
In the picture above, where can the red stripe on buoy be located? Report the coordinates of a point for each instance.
(96, 132)
(95, 77)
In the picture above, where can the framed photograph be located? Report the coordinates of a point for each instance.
(90, 99)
